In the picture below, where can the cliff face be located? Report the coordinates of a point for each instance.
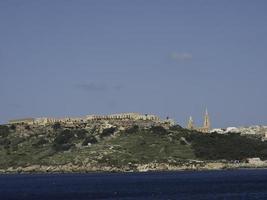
(113, 147)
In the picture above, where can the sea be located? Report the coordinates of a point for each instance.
(229, 184)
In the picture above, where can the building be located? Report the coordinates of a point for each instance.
(44, 121)
(123, 116)
(206, 124)
(255, 161)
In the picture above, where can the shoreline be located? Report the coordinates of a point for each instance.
(151, 167)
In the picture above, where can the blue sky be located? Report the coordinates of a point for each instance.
(171, 58)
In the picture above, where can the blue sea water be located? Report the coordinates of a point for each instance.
(236, 184)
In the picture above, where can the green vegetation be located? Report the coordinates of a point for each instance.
(159, 130)
(56, 126)
(4, 131)
(56, 145)
(89, 139)
(108, 132)
(230, 146)
(145, 147)
(133, 129)
(62, 141)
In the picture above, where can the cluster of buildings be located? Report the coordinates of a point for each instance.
(123, 116)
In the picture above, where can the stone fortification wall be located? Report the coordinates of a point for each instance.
(123, 116)
(89, 118)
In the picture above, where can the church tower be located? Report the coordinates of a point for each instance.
(190, 124)
(206, 124)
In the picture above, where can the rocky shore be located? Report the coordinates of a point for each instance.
(71, 168)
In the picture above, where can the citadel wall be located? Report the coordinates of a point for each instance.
(89, 118)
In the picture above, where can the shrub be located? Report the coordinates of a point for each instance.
(17, 140)
(133, 129)
(108, 132)
(14, 147)
(13, 127)
(182, 142)
(62, 141)
(4, 131)
(4, 142)
(62, 147)
(89, 139)
(56, 126)
(81, 134)
(93, 130)
(40, 142)
(159, 130)
(7, 144)
(176, 128)
(63, 137)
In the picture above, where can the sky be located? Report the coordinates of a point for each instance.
(170, 58)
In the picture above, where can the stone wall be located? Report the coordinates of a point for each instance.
(89, 118)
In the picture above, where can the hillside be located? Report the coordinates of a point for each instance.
(57, 148)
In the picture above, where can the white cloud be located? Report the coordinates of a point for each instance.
(95, 87)
(181, 56)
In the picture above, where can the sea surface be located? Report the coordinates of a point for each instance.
(235, 184)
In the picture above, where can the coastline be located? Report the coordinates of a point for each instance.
(151, 167)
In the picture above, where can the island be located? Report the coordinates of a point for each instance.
(128, 142)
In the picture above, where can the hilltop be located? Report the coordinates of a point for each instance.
(106, 146)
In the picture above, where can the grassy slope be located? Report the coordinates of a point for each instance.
(119, 149)
(127, 148)
(138, 146)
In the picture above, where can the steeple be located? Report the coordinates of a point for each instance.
(206, 124)
(190, 124)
